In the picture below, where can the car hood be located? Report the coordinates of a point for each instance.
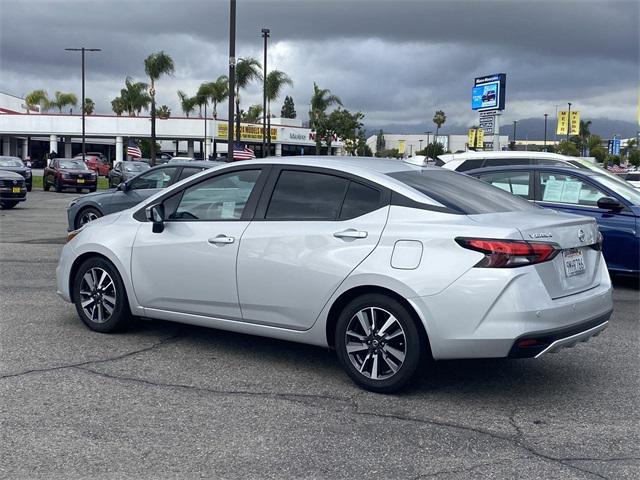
(76, 172)
(20, 170)
(7, 175)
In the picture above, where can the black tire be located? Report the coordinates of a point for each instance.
(29, 187)
(120, 316)
(6, 205)
(57, 186)
(84, 216)
(45, 184)
(378, 349)
(92, 189)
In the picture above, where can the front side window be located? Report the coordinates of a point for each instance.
(516, 183)
(564, 188)
(160, 178)
(302, 195)
(223, 197)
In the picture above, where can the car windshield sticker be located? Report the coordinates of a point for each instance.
(553, 191)
(228, 209)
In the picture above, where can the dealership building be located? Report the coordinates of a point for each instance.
(35, 134)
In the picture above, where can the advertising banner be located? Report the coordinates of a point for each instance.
(575, 123)
(247, 132)
(563, 123)
(401, 146)
(488, 92)
(472, 138)
(480, 138)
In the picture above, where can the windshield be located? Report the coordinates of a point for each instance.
(624, 189)
(10, 162)
(462, 193)
(136, 166)
(73, 165)
(595, 168)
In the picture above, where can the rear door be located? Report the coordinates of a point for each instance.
(575, 194)
(312, 228)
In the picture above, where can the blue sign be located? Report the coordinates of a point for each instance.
(616, 146)
(488, 92)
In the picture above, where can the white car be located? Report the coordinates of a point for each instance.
(386, 262)
(461, 162)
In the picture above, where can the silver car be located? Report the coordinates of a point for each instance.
(388, 263)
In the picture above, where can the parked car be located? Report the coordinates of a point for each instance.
(15, 164)
(63, 173)
(615, 206)
(123, 171)
(92, 206)
(461, 162)
(13, 189)
(389, 263)
(100, 165)
(181, 159)
(632, 177)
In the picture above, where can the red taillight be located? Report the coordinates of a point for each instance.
(509, 253)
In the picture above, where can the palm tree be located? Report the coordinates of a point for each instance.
(37, 97)
(187, 103)
(89, 106)
(247, 70)
(156, 65)
(163, 112)
(64, 99)
(216, 91)
(439, 119)
(274, 83)
(118, 106)
(321, 99)
(252, 115)
(134, 96)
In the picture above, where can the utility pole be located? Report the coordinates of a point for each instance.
(232, 76)
(83, 49)
(545, 131)
(265, 146)
(569, 121)
(514, 134)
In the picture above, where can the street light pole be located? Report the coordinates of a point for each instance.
(232, 76)
(569, 121)
(265, 36)
(545, 131)
(82, 50)
(514, 134)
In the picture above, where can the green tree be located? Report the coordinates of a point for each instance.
(345, 125)
(599, 153)
(380, 142)
(362, 149)
(118, 106)
(89, 106)
(187, 103)
(247, 70)
(321, 99)
(155, 66)
(568, 148)
(389, 153)
(134, 97)
(288, 108)
(62, 100)
(145, 147)
(432, 150)
(37, 98)
(252, 115)
(274, 83)
(439, 118)
(164, 112)
(216, 92)
(634, 158)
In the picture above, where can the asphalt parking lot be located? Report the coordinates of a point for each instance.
(172, 401)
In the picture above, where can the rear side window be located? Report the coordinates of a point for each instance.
(302, 195)
(470, 164)
(516, 183)
(187, 172)
(461, 193)
(360, 200)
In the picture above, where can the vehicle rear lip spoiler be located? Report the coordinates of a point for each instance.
(572, 340)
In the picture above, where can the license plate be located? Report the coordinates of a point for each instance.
(15, 190)
(81, 180)
(573, 262)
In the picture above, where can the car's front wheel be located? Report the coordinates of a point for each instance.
(100, 296)
(87, 215)
(379, 343)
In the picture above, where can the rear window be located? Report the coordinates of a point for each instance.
(461, 193)
(470, 164)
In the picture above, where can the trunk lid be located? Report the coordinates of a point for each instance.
(575, 268)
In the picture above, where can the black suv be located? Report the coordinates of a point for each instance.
(14, 164)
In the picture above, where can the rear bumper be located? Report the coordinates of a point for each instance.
(536, 344)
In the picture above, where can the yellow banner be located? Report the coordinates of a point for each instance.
(563, 123)
(480, 138)
(472, 138)
(247, 132)
(575, 123)
(401, 146)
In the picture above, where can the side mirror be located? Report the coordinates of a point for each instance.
(122, 187)
(155, 214)
(608, 203)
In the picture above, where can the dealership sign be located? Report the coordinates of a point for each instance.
(488, 121)
(247, 132)
(488, 92)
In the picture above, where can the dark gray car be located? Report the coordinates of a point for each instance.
(15, 164)
(123, 171)
(95, 205)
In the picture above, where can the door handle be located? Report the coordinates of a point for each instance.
(221, 239)
(351, 233)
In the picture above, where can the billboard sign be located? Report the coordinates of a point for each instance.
(487, 122)
(488, 92)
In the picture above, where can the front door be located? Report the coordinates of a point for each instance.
(190, 267)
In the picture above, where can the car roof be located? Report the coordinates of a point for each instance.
(502, 154)
(585, 172)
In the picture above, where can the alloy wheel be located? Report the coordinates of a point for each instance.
(88, 216)
(97, 295)
(376, 343)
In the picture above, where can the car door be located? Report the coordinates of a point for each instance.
(311, 229)
(190, 267)
(576, 194)
(140, 188)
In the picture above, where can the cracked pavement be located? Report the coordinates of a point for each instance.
(167, 401)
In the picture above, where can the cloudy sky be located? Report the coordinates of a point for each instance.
(396, 61)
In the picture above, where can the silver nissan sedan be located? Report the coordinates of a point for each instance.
(389, 263)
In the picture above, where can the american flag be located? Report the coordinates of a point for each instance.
(133, 150)
(242, 152)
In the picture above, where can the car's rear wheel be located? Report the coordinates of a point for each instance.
(29, 187)
(8, 204)
(87, 215)
(379, 344)
(100, 297)
(57, 186)
(45, 184)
